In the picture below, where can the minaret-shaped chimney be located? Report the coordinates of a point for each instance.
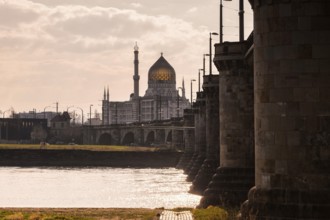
(106, 107)
(136, 76)
(183, 89)
(108, 94)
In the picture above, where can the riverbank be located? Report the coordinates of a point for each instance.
(87, 158)
(77, 147)
(78, 213)
(108, 213)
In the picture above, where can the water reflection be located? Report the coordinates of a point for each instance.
(94, 187)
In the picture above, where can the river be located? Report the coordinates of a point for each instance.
(94, 187)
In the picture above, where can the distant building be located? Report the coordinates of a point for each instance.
(160, 102)
(37, 115)
(22, 130)
(61, 130)
(61, 121)
(93, 121)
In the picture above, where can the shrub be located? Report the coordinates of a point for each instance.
(35, 216)
(211, 213)
(15, 216)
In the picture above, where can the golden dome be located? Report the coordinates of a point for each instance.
(161, 74)
(161, 71)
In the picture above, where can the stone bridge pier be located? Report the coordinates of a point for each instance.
(210, 164)
(235, 175)
(292, 111)
(189, 139)
(200, 137)
(196, 141)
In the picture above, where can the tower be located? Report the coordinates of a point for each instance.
(136, 76)
(106, 107)
(183, 89)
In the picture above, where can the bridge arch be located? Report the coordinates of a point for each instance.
(169, 137)
(150, 138)
(128, 138)
(160, 136)
(105, 139)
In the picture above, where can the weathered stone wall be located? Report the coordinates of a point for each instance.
(195, 137)
(200, 136)
(189, 139)
(207, 170)
(235, 175)
(292, 110)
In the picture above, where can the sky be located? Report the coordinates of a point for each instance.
(69, 51)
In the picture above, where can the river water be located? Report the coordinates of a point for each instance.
(94, 187)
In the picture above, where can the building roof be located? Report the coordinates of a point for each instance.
(161, 72)
(61, 117)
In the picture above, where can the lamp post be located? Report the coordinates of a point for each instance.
(45, 111)
(221, 21)
(178, 103)
(241, 20)
(3, 115)
(199, 79)
(82, 116)
(90, 115)
(211, 33)
(67, 108)
(191, 90)
(204, 55)
(56, 103)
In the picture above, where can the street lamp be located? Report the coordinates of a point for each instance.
(211, 33)
(90, 115)
(82, 116)
(3, 115)
(67, 108)
(45, 111)
(204, 55)
(191, 90)
(221, 20)
(241, 20)
(56, 103)
(178, 103)
(199, 79)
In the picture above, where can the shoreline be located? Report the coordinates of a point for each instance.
(79, 213)
(87, 158)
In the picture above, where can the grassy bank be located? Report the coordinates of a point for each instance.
(78, 147)
(77, 213)
(211, 213)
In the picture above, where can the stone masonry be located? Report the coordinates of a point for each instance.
(200, 136)
(235, 175)
(189, 139)
(292, 111)
(207, 170)
(195, 140)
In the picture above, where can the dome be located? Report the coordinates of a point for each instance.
(161, 72)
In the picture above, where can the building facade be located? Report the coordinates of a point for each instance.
(161, 100)
(22, 130)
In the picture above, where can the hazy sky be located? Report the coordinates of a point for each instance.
(68, 51)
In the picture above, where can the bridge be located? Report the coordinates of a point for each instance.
(263, 123)
(261, 138)
(169, 133)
